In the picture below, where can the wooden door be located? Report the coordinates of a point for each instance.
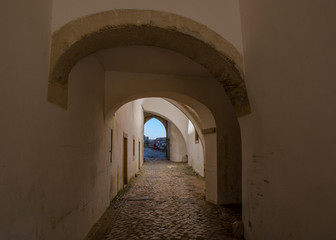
(139, 156)
(125, 160)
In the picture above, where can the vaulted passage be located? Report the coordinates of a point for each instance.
(254, 80)
(199, 97)
(181, 60)
(167, 198)
(146, 28)
(173, 138)
(142, 64)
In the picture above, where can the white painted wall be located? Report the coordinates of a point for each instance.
(221, 16)
(128, 121)
(78, 151)
(53, 163)
(289, 139)
(178, 146)
(195, 151)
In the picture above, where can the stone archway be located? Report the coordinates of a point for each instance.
(89, 34)
(148, 116)
(219, 96)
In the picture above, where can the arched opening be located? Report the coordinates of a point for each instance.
(155, 137)
(148, 28)
(177, 135)
(201, 115)
(181, 130)
(213, 101)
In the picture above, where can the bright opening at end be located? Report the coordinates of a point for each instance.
(155, 141)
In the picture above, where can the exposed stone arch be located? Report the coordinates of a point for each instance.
(89, 34)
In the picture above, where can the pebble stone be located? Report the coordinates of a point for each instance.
(165, 201)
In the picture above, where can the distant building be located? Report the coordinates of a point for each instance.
(160, 143)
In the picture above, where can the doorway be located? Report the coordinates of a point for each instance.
(125, 143)
(139, 156)
(155, 136)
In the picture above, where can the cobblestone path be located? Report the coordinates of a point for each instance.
(165, 201)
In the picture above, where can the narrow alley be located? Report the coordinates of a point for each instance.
(164, 201)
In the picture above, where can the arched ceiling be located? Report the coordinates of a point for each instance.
(90, 34)
(149, 59)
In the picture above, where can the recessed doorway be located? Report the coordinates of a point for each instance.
(125, 142)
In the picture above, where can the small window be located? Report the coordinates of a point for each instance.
(133, 147)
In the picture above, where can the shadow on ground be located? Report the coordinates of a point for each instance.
(165, 201)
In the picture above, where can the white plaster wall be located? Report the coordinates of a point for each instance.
(78, 151)
(289, 139)
(178, 146)
(221, 16)
(195, 151)
(53, 163)
(128, 121)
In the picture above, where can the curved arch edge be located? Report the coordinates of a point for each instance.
(79, 38)
(58, 94)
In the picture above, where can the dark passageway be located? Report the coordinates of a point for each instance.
(248, 88)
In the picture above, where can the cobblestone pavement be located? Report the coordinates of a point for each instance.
(165, 201)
